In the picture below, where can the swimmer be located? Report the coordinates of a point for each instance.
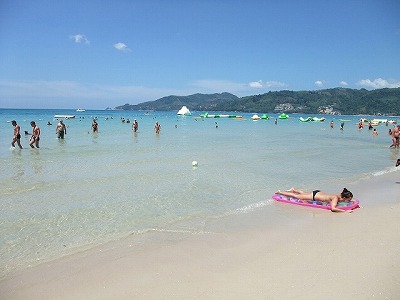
(317, 195)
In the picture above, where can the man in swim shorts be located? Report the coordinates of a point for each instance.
(61, 129)
(17, 135)
(317, 195)
(35, 135)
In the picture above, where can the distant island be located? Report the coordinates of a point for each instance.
(334, 101)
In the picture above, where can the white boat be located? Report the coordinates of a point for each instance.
(64, 116)
(255, 117)
(184, 111)
(379, 121)
(80, 109)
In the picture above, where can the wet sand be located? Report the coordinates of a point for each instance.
(280, 252)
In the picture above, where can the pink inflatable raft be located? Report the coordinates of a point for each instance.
(316, 204)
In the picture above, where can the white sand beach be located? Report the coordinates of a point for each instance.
(325, 256)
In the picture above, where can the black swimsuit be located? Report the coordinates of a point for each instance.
(314, 193)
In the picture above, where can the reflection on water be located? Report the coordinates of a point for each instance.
(36, 161)
(17, 163)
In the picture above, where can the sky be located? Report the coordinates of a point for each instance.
(96, 54)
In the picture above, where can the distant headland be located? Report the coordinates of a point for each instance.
(334, 101)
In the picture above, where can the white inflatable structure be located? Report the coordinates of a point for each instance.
(184, 111)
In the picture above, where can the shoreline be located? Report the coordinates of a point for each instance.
(306, 255)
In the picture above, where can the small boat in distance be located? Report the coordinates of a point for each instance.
(80, 109)
(64, 116)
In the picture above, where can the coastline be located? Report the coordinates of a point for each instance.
(308, 254)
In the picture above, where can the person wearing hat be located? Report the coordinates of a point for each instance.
(61, 129)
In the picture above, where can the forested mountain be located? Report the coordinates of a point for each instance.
(329, 101)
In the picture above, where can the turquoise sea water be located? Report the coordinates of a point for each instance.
(90, 188)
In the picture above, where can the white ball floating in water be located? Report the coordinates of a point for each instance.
(194, 163)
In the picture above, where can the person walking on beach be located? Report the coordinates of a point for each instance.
(35, 135)
(17, 136)
(135, 126)
(61, 129)
(95, 126)
(157, 128)
(317, 195)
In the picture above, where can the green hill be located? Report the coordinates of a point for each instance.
(329, 101)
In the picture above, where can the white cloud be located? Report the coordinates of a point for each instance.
(319, 83)
(256, 84)
(378, 83)
(268, 84)
(122, 47)
(79, 38)
(343, 83)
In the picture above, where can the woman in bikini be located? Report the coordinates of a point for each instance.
(317, 195)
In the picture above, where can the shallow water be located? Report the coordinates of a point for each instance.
(90, 188)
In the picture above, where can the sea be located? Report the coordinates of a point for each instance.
(88, 189)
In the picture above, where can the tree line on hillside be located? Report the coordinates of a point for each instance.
(329, 101)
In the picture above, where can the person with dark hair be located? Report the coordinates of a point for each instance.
(61, 129)
(35, 135)
(95, 126)
(135, 126)
(17, 136)
(317, 195)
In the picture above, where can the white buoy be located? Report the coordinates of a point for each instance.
(194, 163)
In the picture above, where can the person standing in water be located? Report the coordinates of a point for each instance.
(135, 126)
(317, 195)
(157, 128)
(61, 129)
(95, 126)
(35, 135)
(17, 135)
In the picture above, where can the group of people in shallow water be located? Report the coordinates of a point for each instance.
(35, 136)
(61, 131)
(315, 195)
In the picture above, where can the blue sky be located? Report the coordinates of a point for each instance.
(98, 54)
